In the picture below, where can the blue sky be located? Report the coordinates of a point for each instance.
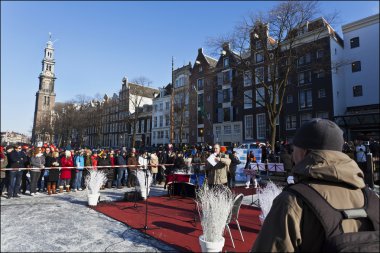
(98, 43)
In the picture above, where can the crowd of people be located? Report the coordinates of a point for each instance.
(54, 170)
(120, 165)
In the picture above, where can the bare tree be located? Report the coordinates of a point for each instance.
(267, 47)
(135, 101)
(180, 108)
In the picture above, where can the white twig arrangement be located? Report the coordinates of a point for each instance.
(266, 197)
(214, 206)
(94, 180)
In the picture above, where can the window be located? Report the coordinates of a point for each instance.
(357, 90)
(304, 59)
(305, 99)
(259, 58)
(200, 68)
(247, 78)
(321, 93)
(320, 53)
(260, 125)
(304, 77)
(226, 114)
(200, 101)
(259, 75)
(167, 105)
(156, 107)
(237, 129)
(154, 135)
(166, 134)
(248, 120)
(200, 132)
(320, 73)
(167, 120)
(142, 127)
(291, 122)
(161, 120)
(356, 66)
(289, 99)
(271, 70)
(180, 81)
(226, 95)
(200, 84)
(226, 62)
(322, 115)
(218, 130)
(155, 121)
(227, 129)
(161, 106)
(200, 117)
(354, 42)
(227, 76)
(220, 114)
(305, 117)
(247, 99)
(260, 96)
(148, 125)
(258, 44)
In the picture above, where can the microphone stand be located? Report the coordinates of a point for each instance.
(146, 200)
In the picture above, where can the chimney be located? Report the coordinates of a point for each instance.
(226, 46)
(200, 50)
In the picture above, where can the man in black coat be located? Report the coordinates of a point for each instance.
(16, 159)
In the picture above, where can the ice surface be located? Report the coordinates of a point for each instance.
(64, 223)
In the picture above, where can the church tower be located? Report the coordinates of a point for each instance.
(45, 98)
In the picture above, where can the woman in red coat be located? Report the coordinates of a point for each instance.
(66, 161)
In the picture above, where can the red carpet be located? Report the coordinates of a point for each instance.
(172, 221)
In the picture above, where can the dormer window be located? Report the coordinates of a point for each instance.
(226, 62)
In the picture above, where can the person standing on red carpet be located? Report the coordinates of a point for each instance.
(217, 175)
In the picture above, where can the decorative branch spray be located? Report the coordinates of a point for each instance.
(266, 197)
(94, 181)
(214, 205)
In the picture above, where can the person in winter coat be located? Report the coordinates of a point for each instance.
(217, 175)
(232, 173)
(37, 163)
(162, 158)
(87, 164)
(291, 225)
(79, 163)
(16, 159)
(105, 161)
(250, 160)
(132, 165)
(66, 161)
(121, 160)
(286, 158)
(154, 167)
(94, 159)
(25, 179)
(52, 162)
(3, 165)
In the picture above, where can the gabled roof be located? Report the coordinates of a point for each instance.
(141, 90)
(211, 60)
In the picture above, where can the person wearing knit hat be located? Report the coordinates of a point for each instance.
(321, 167)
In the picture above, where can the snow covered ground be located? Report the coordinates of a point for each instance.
(65, 223)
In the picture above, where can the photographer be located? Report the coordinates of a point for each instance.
(360, 155)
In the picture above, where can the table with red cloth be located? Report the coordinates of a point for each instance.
(186, 184)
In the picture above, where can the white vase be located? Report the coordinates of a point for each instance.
(211, 246)
(93, 199)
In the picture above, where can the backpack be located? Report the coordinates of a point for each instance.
(331, 218)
